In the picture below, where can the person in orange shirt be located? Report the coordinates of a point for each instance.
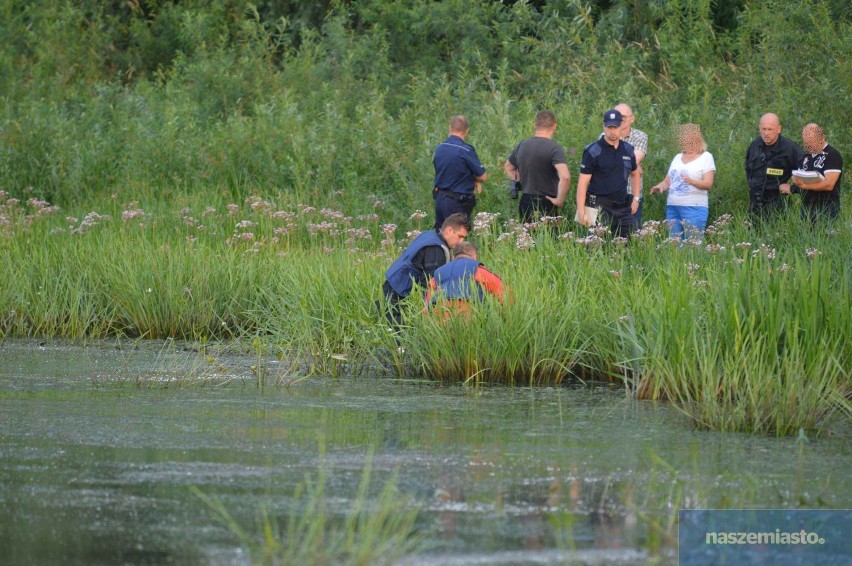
(458, 283)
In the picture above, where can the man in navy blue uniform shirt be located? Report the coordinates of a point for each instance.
(458, 173)
(605, 169)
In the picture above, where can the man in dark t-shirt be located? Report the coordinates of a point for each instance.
(538, 163)
(820, 197)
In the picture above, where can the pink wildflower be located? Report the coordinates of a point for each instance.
(131, 214)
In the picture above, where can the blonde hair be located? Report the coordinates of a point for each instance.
(689, 137)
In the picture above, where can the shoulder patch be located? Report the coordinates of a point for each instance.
(594, 149)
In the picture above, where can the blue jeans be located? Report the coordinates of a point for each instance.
(687, 220)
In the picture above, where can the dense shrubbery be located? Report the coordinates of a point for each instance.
(152, 97)
(144, 121)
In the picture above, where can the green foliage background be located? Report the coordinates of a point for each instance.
(294, 100)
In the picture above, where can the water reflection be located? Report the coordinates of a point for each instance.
(539, 513)
(98, 470)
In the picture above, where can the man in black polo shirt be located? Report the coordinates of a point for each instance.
(458, 173)
(820, 196)
(605, 169)
(769, 162)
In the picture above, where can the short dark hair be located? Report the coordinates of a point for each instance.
(456, 220)
(545, 119)
(466, 249)
(459, 123)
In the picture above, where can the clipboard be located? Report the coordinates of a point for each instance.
(807, 176)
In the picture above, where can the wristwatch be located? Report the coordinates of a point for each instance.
(637, 199)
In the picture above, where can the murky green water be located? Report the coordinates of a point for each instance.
(99, 447)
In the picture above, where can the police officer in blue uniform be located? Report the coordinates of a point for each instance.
(418, 262)
(605, 169)
(458, 173)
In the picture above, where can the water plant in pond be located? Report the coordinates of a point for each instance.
(377, 529)
(494, 468)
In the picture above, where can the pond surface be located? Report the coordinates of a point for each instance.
(99, 447)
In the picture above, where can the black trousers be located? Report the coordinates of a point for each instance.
(762, 204)
(390, 306)
(532, 207)
(615, 213)
(820, 212)
(446, 205)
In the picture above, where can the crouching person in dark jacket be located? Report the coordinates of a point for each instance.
(418, 262)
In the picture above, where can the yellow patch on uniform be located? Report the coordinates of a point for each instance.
(773, 171)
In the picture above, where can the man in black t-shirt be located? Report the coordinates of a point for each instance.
(769, 162)
(820, 198)
(539, 164)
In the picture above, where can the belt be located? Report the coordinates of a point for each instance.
(459, 197)
(608, 200)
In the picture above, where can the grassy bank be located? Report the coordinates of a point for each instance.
(746, 330)
(227, 170)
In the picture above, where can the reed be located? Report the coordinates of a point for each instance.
(740, 333)
(225, 103)
(379, 528)
(257, 184)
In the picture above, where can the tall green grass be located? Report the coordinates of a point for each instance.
(762, 346)
(268, 162)
(746, 330)
(221, 101)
